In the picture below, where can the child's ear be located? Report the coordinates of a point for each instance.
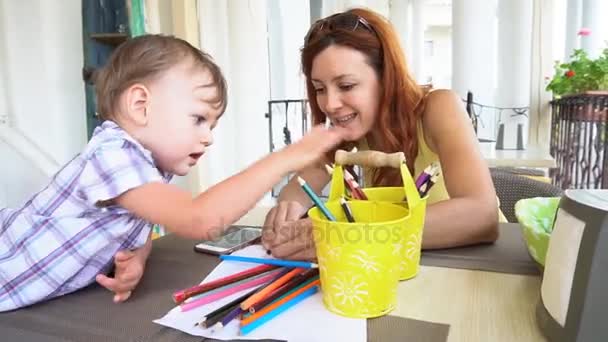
(138, 99)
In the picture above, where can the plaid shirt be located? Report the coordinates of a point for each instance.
(64, 236)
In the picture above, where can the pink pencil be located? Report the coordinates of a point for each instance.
(229, 291)
(180, 296)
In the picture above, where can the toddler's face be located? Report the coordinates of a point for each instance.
(181, 116)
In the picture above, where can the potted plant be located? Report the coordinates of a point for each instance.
(580, 75)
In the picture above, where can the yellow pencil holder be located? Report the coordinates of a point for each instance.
(406, 196)
(359, 262)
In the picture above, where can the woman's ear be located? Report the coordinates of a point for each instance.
(137, 99)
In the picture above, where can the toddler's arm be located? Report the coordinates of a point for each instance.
(224, 203)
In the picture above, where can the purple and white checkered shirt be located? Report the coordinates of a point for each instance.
(62, 237)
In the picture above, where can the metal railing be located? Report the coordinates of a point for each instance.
(579, 129)
(288, 121)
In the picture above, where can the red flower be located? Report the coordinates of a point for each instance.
(570, 73)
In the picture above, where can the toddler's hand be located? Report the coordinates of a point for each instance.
(313, 146)
(129, 268)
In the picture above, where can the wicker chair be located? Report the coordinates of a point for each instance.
(512, 186)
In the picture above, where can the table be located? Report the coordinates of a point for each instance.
(532, 157)
(478, 305)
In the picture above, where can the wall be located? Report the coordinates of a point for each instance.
(41, 92)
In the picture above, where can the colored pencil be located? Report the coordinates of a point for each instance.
(354, 186)
(269, 288)
(426, 174)
(350, 182)
(296, 281)
(215, 316)
(227, 286)
(181, 296)
(234, 313)
(276, 304)
(347, 212)
(276, 262)
(429, 184)
(315, 199)
(229, 291)
(272, 314)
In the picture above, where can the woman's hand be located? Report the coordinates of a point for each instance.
(287, 236)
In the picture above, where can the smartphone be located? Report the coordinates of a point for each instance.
(236, 237)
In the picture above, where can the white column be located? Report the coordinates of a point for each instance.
(399, 14)
(417, 52)
(381, 7)
(330, 7)
(236, 36)
(287, 25)
(474, 56)
(514, 51)
(594, 18)
(542, 65)
(573, 25)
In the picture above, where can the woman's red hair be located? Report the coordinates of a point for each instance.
(402, 98)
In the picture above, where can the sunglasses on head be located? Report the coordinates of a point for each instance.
(339, 21)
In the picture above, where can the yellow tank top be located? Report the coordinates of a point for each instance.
(425, 157)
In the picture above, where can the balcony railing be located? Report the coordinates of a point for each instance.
(288, 120)
(578, 141)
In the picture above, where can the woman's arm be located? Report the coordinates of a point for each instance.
(471, 214)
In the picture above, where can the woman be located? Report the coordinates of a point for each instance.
(357, 78)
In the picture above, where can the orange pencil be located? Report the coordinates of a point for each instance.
(268, 289)
(278, 303)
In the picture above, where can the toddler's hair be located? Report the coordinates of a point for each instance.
(144, 58)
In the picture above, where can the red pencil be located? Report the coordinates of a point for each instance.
(350, 182)
(180, 296)
(354, 186)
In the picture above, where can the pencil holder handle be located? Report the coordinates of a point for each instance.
(373, 159)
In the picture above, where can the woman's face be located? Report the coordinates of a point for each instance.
(347, 89)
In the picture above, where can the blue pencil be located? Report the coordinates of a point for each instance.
(277, 262)
(246, 329)
(316, 200)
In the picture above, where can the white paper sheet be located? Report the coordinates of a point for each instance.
(308, 321)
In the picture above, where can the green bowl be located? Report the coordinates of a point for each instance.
(536, 216)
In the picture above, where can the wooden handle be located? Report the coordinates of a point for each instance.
(370, 158)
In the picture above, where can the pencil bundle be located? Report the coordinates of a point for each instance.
(273, 287)
(427, 179)
(350, 182)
